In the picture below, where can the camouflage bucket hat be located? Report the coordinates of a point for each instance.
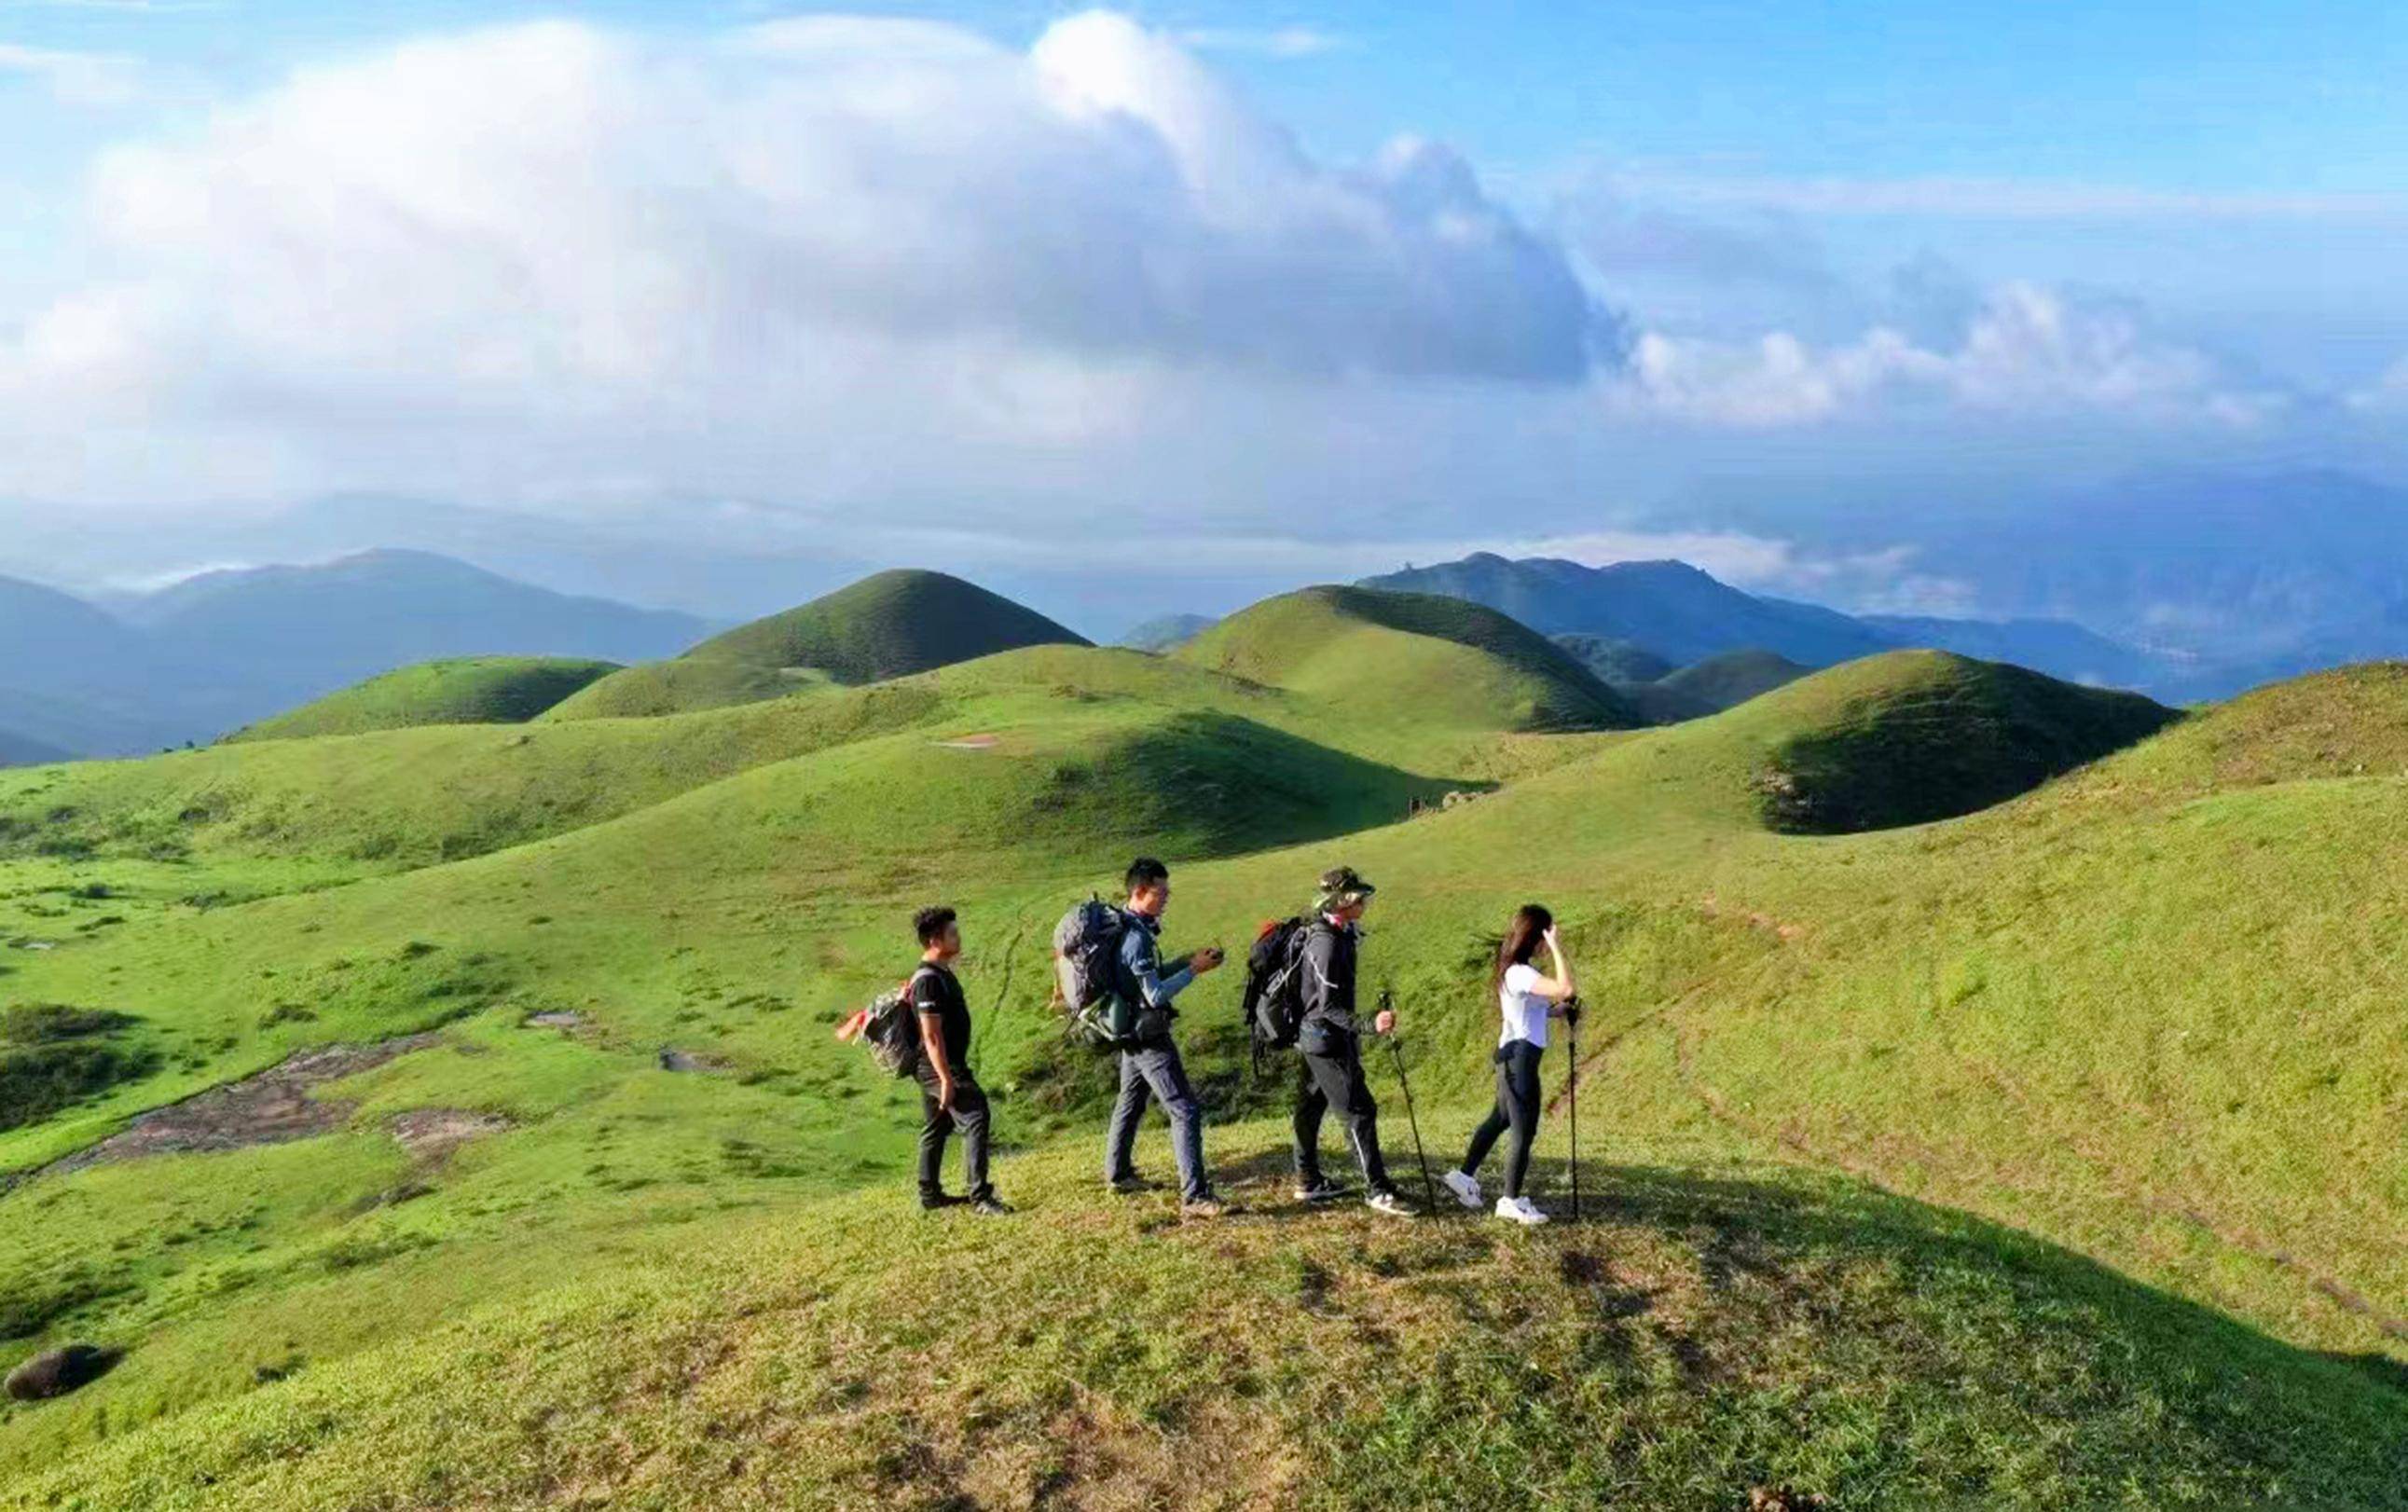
(1342, 886)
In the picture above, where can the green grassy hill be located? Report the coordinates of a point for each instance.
(887, 625)
(479, 690)
(2042, 1156)
(1733, 677)
(1410, 658)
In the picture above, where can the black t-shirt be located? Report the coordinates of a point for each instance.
(936, 990)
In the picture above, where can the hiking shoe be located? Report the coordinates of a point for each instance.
(1466, 1188)
(1390, 1203)
(1319, 1189)
(991, 1206)
(1520, 1211)
(942, 1199)
(1203, 1208)
(1130, 1185)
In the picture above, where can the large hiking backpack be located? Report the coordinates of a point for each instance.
(1274, 1000)
(890, 1026)
(1086, 968)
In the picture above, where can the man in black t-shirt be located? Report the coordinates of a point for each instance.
(950, 1096)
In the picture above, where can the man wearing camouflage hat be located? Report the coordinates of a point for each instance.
(1330, 1037)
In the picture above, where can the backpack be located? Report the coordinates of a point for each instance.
(1086, 968)
(1274, 1001)
(890, 1027)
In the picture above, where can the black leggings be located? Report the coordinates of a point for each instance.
(1517, 1108)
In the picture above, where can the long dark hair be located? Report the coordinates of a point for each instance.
(1531, 922)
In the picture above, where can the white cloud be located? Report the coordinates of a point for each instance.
(2007, 199)
(2386, 395)
(78, 78)
(2024, 350)
(1270, 42)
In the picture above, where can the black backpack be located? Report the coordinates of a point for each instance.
(1274, 1000)
(890, 1027)
(1087, 970)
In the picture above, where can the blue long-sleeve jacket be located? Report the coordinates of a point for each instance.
(1142, 986)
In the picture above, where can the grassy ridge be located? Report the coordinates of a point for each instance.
(1410, 658)
(480, 689)
(2143, 1011)
(887, 625)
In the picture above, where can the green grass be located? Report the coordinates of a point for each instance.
(2032, 1157)
(482, 689)
(1733, 677)
(1410, 658)
(887, 625)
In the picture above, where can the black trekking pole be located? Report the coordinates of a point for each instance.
(1430, 1189)
(1571, 1023)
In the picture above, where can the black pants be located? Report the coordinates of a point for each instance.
(1517, 1108)
(1334, 1081)
(936, 1125)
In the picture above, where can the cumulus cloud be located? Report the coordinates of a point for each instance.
(2022, 350)
(555, 221)
(2386, 395)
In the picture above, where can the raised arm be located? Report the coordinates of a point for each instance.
(1561, 987)
(1139, 958)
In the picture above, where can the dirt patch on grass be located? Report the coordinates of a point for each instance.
(981, 741)
(433, 1132)
(268, 1108)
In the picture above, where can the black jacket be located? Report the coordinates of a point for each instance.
(1329, 1025)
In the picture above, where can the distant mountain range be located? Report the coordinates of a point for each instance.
(214, 652)
(1684, 616)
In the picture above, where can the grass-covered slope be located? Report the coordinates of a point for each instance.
(479, 690)
(1410, 658)
(1936, 735)
(1733, 677)
(2144, 1016)
(887, 625)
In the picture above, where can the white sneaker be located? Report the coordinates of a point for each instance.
(1390, 1203)
(1520, 1211)
(1465, 1189)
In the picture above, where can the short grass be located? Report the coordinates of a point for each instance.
(480, 689)
(2133, 1034)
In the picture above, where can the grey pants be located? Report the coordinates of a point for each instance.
(1154, 1072)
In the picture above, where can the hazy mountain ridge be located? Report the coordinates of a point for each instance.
(207, 655)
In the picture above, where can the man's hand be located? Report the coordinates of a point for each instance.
(1385, 1023)
(1208, 959)
(945, 1096)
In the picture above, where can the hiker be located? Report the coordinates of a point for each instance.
(1330, 1037)
(1150, 1064)
(950, 1096)
(1527, 999)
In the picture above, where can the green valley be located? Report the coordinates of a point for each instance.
(1990, 1093)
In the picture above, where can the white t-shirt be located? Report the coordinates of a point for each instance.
(1525, 1011)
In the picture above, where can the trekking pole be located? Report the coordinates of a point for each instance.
(1572, 1023)
(1430, 1189)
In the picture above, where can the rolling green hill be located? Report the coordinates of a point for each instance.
(2041, 1156)
(1410, 658)
(482, 689)
(887, 625)
(1718, 682)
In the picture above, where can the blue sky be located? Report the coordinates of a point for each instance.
(1913, 248)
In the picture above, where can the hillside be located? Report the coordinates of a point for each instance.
(1414, 657)
(486, 689)
(1165, 632)
(1686, 614)
(1719, 682)
(1616, 661)
(2042, 1156)
(1667, 607)
(887, 625)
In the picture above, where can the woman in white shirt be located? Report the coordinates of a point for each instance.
(1527, 999)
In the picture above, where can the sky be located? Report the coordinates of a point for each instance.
(695, 302)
